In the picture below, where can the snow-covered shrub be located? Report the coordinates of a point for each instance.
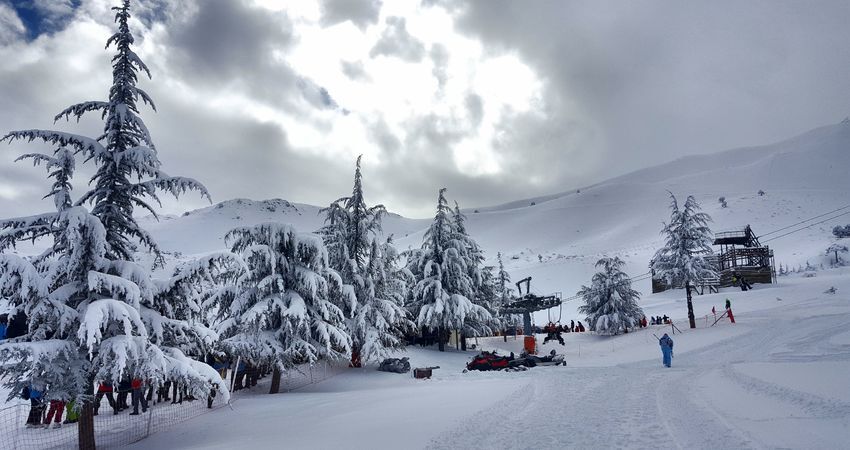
(841, 232)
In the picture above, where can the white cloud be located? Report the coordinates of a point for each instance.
(492, 100)
(11, 27)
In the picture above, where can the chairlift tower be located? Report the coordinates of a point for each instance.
(527, 304)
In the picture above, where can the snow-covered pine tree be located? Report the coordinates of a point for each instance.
(835, 249)
(610, 302)
(381, 320)
(92, 322)
(128, 168)
(483, 292)
(86, 314)
(283, 310)
(444, 287)
(350, 230)
(177, 315)
(687, 244)
(505, 292)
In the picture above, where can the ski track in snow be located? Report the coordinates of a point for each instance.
(692, 405)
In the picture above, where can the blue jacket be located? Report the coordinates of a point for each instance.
(665, 341)
(31, 393)
(2, 331)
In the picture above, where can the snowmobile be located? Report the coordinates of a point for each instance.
(488, 361)
(552, 359)
(397, 365)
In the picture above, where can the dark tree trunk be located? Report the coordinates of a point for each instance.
(691, 317)
(85, 427)
(275, 388)
(441, 344)
(355, 358)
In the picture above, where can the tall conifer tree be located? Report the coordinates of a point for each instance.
(444, 286)
(687, 244)
(89, 316)
(375, 321)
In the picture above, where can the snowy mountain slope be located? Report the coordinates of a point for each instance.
(203, 230)
(560, 238)
(803, 177)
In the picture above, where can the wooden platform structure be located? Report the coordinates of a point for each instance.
(740, 252)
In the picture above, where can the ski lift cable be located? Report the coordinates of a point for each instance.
(807, 226)
(804, 221)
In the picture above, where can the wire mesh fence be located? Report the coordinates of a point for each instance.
(115, 429)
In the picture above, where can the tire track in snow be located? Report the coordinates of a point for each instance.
(693, 423)
(814, 405)
(579, 408)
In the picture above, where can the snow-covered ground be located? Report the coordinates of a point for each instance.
(776, 378)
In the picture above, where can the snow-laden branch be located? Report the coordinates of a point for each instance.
(89, 147)
(100, 313)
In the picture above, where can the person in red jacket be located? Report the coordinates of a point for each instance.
(105, 389)
(138, 397)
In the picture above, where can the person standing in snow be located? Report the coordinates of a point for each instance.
(3, 319)
(54, 413)
(572, 325)
(71, 413)
(36, 406)
(105, 389)
(666, 349)
(138, 396)
(124, 387)
(745, 285)
(729, 311)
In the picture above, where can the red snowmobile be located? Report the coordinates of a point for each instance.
(488, 361)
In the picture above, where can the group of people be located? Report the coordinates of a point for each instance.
(55, 409)
(139, 392)
(129, 392)
(553, 331)
(659, 320)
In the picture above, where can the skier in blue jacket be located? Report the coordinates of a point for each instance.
(666, 349)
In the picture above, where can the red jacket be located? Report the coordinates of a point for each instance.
(104, 387)
(136, 383)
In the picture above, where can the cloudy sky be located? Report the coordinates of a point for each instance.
(495, 101)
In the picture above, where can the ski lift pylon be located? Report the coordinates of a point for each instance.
(527, 304)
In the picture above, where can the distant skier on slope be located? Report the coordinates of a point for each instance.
(666, 349)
